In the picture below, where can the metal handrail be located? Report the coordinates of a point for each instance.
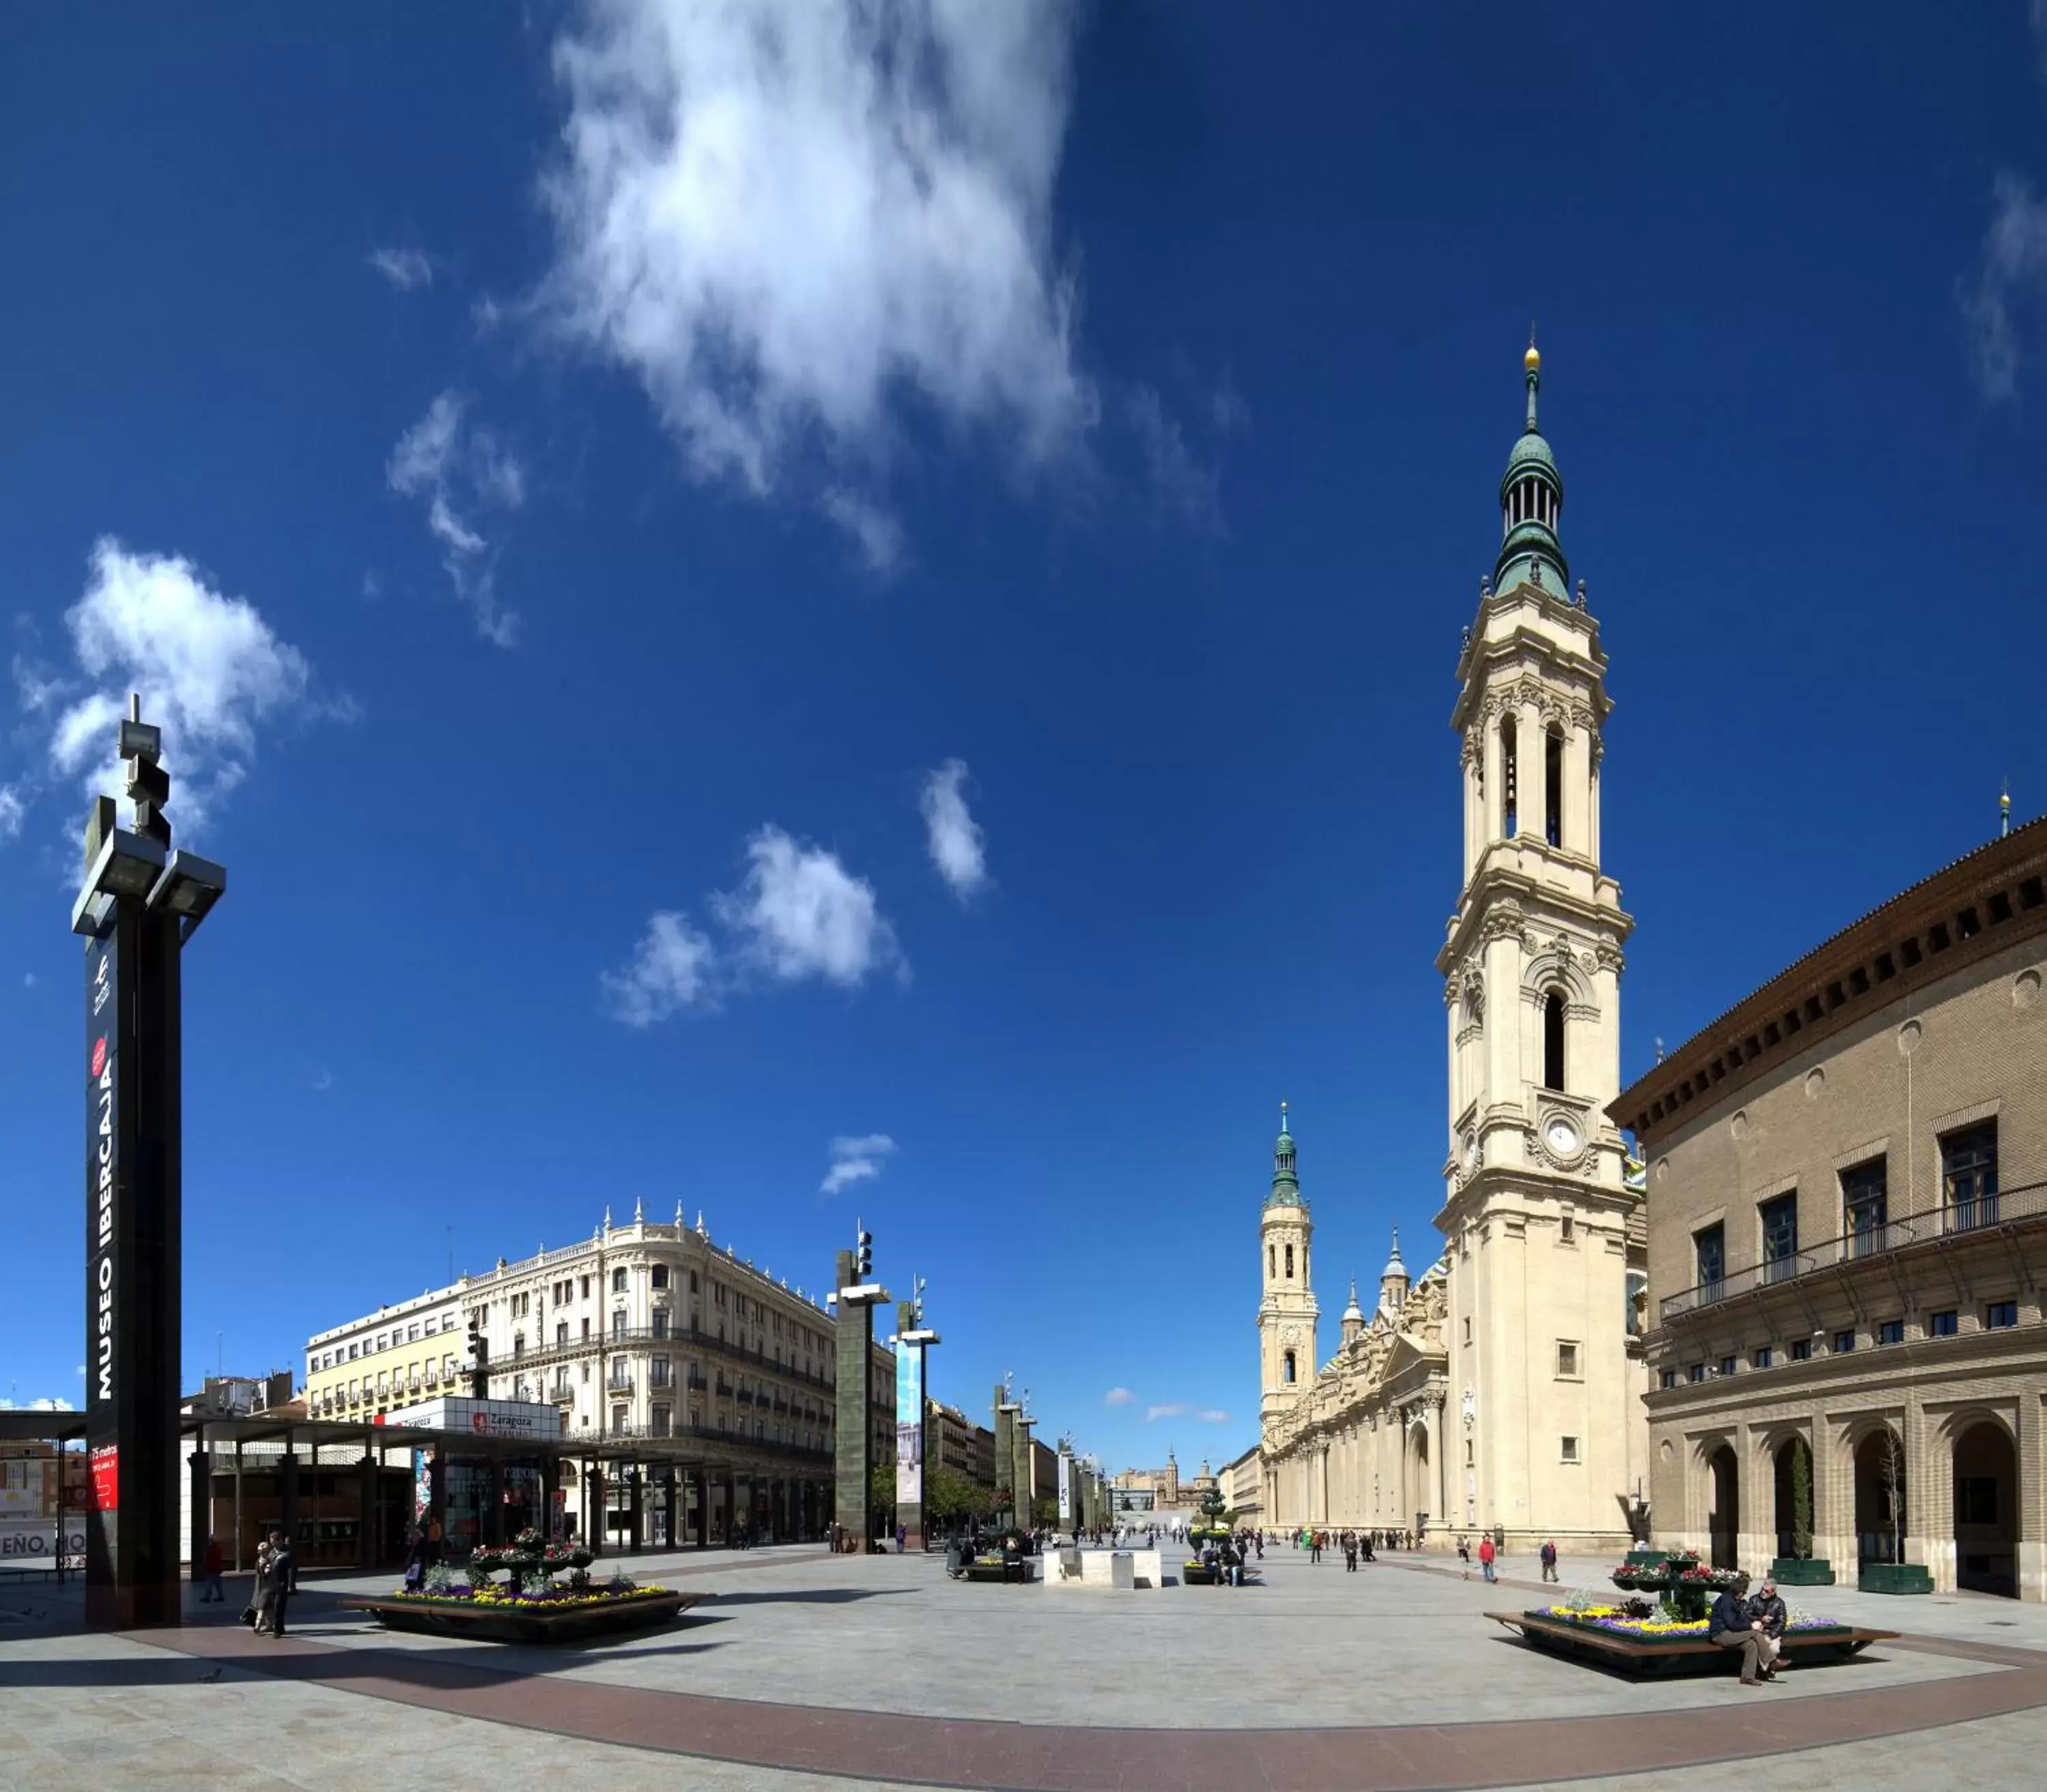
(1951, 1219)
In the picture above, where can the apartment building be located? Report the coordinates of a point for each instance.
(1846, 1244)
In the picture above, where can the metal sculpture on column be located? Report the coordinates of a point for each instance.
(139, 905)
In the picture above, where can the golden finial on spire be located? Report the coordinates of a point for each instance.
(1532, 361)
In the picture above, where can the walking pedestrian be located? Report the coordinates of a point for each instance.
(210, 1562)
(278, 1574)
(1487, 1556)
(1464, 1554)
(1548, 1560)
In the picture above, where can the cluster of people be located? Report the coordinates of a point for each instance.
(276, 1579)
(1356, 1546)
(1226, 1556)
(1755, 1626)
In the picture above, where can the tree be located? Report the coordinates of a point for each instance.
(881, 1493)
(1802, 1499)
(1213, 1514)
(1891, 1464)
(950, 1495)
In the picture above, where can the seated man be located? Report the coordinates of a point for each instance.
(1768, 1610)
(1730, 1625)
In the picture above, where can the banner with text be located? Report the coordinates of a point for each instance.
(909, 1426)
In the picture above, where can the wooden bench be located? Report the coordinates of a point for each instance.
(1679, 1655)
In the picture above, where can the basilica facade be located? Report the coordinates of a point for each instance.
(1502, 1389)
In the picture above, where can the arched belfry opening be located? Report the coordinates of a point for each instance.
(1510, 781)
(1553, 1041)
(1553, 786)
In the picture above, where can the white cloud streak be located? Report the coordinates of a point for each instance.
(798, 915)
(788, 220)
(670, 970)
(1213, 1415)
(1172, 1409)
(801, 914)
(2011, 275)
(856, 1160)
(1119, 1397)
(407, 269)
(207, 665)
(456, 468)
(957, 845)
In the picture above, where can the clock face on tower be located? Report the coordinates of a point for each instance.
(1561, 1137)
(1471, 1151)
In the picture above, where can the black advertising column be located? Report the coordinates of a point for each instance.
(138, 905)
(117, 1353)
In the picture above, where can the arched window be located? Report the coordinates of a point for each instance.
(1553, 1041)
(1272, 1263)
(1286, 1369)
(1289, 1263)
(1510, 781)
(1553, 786)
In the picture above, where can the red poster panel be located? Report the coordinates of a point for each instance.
(107, 1479)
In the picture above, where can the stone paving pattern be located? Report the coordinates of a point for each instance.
(804, 1670)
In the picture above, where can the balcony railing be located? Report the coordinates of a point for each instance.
(2008, 1207)
(681, 1337)
(707, 1434)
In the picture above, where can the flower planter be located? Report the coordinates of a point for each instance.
(506, 1620)
(1802, 1571)
(1895, 1577)
(1660, 1647)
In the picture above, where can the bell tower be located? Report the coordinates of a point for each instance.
(1286, 1311)
(1540, 1226)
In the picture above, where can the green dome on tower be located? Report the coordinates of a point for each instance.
(1531, 500)
(1286, 1184)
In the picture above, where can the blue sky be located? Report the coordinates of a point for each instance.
(572, 483)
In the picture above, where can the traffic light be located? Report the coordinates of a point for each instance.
(863, 1259)
(479, 1357)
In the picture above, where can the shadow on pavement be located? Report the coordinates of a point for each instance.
(807, 1596)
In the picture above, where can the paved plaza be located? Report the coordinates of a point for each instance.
(801, 1669)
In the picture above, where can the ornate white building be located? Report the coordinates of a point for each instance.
(1504, 1390)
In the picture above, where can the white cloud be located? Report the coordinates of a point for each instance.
(801, 914)
(1119, 1397)
(1213, 1415)
(2012, 275)
(787, 218)
(407, 269)
(1173, 1409)
(2039, 17)
(457, 468)
(855, 1160)
(958, 847)
(44, 1405)
(207, 666)
(670, 969)
(420, 462)
(323, 1082)
(28, 980)
(876, 534)
(36, 684)
(14, 808)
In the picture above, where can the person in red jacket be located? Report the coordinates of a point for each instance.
(209, 1566)
(1486, 1555)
